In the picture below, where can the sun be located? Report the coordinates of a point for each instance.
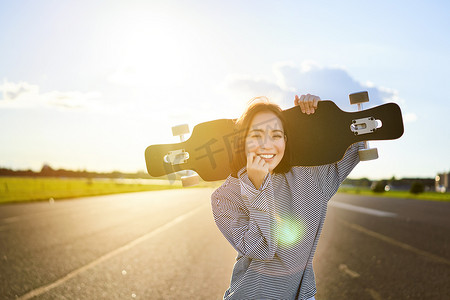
(145, 48)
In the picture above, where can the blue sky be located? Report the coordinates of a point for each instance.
(90, 84)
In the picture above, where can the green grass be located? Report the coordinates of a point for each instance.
(432, 196)
(19, 189)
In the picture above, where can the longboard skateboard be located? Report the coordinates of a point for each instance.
(317, 139)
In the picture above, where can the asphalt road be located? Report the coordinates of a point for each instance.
(381, 248)
(165, 245)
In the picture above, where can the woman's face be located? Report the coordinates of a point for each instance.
(266, 138)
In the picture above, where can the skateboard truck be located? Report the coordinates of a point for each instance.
(176, 157)
(363, 126)
(180, 156)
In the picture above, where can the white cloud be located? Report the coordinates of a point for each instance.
(333, 83)
(13, 91)
(71, 99)
(26, 95)
(248, 87)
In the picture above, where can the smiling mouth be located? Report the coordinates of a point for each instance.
(266, 156)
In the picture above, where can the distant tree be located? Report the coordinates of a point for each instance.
(379, 186)
(417, 187)
(392, 180)
(47, 170)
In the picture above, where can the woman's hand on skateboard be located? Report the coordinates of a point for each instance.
(257, 169)
(308, 103)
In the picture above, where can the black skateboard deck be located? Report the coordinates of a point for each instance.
(317, 139)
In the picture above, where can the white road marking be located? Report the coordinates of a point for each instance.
(43, 289)
(364, 210)
(11, 220)
(347, 271)
(395, 242)
(374, 294)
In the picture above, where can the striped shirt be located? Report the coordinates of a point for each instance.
(275, 229)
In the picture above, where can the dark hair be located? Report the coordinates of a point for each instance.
(242, 127)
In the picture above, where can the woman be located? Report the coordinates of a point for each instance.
(271, 212)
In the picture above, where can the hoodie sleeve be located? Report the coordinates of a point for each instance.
(245, 216)
(329, 177)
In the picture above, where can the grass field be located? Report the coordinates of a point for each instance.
(432, 196)
(19, 189)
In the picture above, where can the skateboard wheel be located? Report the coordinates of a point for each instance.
(368, 154)
(360, 97)
(180, 129)
(190, 180)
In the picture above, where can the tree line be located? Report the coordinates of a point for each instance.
(411, 184)
(48, 171)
